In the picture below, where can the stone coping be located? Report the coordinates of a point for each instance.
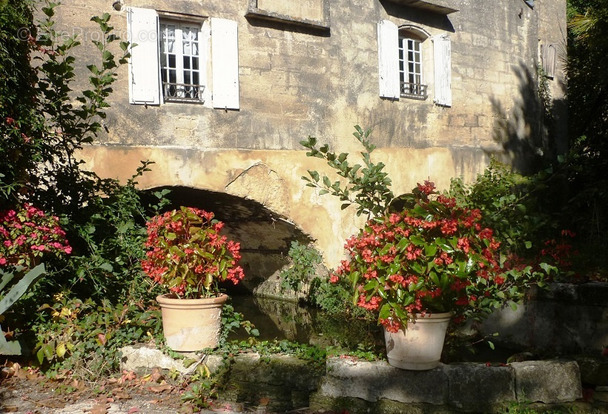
(462, 386)
(364, 386)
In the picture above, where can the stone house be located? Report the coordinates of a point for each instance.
(219, 95)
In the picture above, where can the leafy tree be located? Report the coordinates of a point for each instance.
(44, 121)
(586, 210)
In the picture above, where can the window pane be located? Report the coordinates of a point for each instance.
(180, 63)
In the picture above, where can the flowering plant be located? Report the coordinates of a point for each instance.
(433, 256)
(188, 255)
(27, 234)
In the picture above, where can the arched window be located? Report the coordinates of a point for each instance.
(411, 76)
(409, 59)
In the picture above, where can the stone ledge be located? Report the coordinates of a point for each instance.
(464, 386)
(288, 383)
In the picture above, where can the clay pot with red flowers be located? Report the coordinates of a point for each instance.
(188, 255)
(430, 263)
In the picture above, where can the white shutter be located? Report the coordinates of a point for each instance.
(388, 59)
(144, 83)
(225, 63)
(443, 70)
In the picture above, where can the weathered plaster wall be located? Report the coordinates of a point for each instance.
(297, 81)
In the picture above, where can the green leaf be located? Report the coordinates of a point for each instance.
(40, 356)
(106, 266)
(19, 289)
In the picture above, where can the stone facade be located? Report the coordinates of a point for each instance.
(313, 68)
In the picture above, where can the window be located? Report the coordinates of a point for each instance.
(410, 68)
(175, 59)
(401, 63)
(180, 66)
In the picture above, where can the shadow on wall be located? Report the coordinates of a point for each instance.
(419, 16)
(534, 130)
(265, 236)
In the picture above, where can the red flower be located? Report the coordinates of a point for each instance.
(190, 236)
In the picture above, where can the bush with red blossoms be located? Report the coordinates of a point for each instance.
(433, 256)
(188, 255)
(27, 234)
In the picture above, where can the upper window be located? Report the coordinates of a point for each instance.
(180, 62)
(406, 60)
(410, 68)
(176, 60)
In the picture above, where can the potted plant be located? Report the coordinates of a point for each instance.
(430, 262)
(189, 257)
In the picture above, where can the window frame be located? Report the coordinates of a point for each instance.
(183, 91)
(411, 66)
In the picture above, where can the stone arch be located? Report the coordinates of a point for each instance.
(417, 31)
(265, 236)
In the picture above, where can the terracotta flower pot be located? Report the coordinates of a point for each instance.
(419, 347)
(191, 324)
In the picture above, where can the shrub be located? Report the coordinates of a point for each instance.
(188, 256)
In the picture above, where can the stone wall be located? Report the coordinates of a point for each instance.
(283, 383)
(565, 318)
(311, 68)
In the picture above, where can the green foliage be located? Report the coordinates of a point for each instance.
(508, 205)
(13, 285)
(586, 211)
(432, 256)
(529, 408)
(108, 240)
(84, 337)
(336, 299)
(44, 121)
(187, 255)
(231, 321)
(304, 259)
(367, 186)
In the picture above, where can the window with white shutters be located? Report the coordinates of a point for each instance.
(170, 57)
(407, 58)
(180, 62)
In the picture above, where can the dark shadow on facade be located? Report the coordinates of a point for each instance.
(265, 236)
(533, 132)
(414, 15)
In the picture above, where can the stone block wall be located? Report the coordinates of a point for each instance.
(311, 68)
(565, 318)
